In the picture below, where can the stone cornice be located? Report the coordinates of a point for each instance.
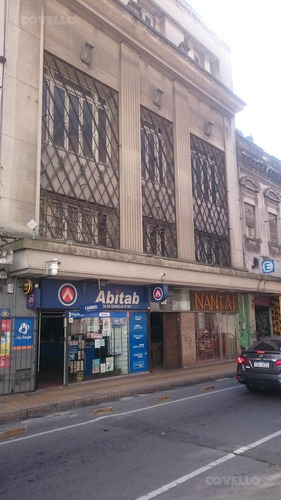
(116, 18)
(58, 249)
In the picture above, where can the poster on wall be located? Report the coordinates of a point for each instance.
(5, 338)
(24, 332)
(109, 364)
(116, 340)
(96, 366)
(138, 342)
(106, 327)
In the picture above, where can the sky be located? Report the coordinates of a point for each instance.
(251, 28)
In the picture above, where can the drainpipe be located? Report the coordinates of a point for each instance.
(39, 121)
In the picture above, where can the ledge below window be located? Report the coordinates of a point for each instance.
(274, 247)
(254, 240)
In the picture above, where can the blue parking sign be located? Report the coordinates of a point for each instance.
(268, 266)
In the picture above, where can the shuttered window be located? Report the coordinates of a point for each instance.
(250, 220)
(272, 221)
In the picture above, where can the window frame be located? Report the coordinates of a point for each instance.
(273, 232)
(70, 224)
(250, 229)
(153, 169)
(97, 144)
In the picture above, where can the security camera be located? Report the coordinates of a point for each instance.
(52, 267)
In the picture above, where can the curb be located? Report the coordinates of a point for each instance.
(49, 408)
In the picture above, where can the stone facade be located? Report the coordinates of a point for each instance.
(118, 158)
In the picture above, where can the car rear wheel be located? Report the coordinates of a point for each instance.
(252, 388)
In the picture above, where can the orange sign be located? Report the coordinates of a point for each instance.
(214, 301)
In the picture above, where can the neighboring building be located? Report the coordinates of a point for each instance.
(260, 187)
(119, 192)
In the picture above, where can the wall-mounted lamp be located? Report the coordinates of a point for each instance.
(157, 99)
(86, 54)
(208, 128)
(52, 267)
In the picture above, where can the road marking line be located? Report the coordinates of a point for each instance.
(185, 478)
(209, 466)
(130, 412)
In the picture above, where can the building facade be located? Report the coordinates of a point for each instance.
(122, 246)
(260, 188)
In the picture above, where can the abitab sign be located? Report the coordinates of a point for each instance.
(57, 294)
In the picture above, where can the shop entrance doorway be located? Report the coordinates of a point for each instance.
(165, 340)
(263, 326)
(157, 339)
(51, 349)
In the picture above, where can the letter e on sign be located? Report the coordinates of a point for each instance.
(268, 266)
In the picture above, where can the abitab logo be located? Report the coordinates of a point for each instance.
(117, 298)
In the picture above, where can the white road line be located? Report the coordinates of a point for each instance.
(183, 479)
(114, 415)
(209, 466)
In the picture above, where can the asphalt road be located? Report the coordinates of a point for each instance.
(204, 441)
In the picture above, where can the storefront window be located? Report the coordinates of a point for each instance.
(98, 346)
(216, 335)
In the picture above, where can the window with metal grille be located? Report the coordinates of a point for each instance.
(250, 219)
(82, 224)
(80, 161)
(158, 186)
(212, 245)
(272, 223)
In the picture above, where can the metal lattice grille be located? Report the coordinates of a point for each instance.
(210, 204)
(80, 164)
(158, 185)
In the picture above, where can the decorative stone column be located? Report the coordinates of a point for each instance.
(183, 175)
(130, 153)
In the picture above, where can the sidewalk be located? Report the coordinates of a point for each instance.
(46, 401)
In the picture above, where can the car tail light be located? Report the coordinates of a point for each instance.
(242, 360)
(278, 362)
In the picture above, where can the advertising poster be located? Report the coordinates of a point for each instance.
(138, 342)
(5, 338)
(109, 364)
(116, 340)
(106, 328)
(96, 366)
(24, 333)
(4, 361)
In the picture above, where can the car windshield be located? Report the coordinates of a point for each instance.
(269, 344)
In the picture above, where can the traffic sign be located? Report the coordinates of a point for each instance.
(268, 266)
